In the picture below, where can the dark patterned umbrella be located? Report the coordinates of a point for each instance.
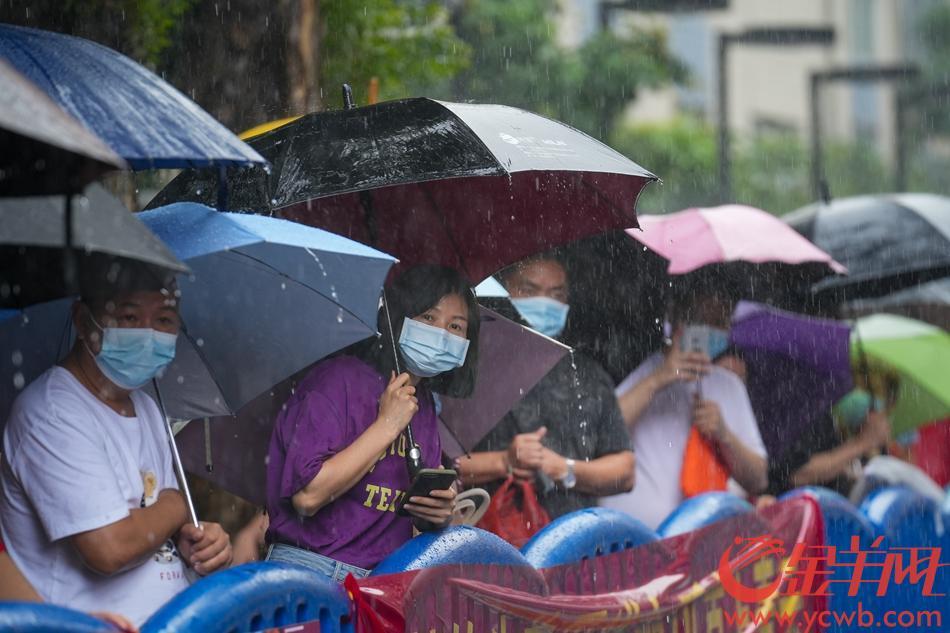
(887, 242)
(471, 186)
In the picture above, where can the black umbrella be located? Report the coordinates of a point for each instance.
(45, 150)
(33, 242)
(466, 185)
(887, 242)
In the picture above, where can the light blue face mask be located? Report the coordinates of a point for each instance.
(429, 350)
(718, 342)
(547, 316)
(130, 357)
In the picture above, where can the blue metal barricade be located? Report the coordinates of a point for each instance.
(585, 534)
(700, 511)
(912, 526)
(454, 545)
(254, 597)
(38, 617)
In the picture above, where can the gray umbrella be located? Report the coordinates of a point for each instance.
(33, 242)
(887, 242)
(45, 150)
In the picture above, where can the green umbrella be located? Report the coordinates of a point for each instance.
(919, 353)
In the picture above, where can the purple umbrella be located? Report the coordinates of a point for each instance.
(512, 359)
(798, 367)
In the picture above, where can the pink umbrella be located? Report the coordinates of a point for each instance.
(696, 237)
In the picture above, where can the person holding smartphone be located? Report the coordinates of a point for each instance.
(337, 474)
(677, 388)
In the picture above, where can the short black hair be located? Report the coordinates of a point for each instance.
(411, 294)
(689, 289)
(103, 278)
(555, 256)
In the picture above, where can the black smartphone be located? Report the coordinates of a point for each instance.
(427, 480)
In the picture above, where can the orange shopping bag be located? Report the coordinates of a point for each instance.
(703, 469)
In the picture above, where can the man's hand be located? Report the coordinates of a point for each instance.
(708, 420)
(206, 549)
(680, 366)
(435, 508)
(526, 452)
(553, 465)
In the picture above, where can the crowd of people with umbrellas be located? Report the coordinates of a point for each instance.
(380, 320)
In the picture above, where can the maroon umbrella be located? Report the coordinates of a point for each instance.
(470, 186)
(232, 452)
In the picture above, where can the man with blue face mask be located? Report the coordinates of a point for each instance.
(566, 434)
(90, 507)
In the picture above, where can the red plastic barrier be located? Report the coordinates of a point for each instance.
(671, 585)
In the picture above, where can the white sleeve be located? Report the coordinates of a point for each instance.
(637, 376)
(64, 469)
(738, 415)
(166, 469)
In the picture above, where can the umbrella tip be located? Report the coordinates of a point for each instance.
(348, 97)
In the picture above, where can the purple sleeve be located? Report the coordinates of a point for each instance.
(313, 429)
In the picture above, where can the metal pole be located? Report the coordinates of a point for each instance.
(900, 141)
(817, 169)
(176, 458)
(725, 175)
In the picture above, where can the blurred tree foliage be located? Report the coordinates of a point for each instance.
(934, 32)
(141, 29)
(248, 62)
(517, 61)
(771, 171)
(403, 44)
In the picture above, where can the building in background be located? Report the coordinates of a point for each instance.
(769, 85)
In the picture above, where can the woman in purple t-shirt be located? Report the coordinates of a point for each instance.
(337, 467)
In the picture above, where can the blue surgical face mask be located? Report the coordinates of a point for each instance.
(547, 316)
(130, 357)
(429, 350)
(718, 342)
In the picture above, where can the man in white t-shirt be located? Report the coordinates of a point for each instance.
(672, 390)
(90, 509)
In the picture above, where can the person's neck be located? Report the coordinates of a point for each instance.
(80, 364)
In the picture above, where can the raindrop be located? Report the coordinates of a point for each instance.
(16, 358)
(19, 381)
(180, 380)
(200, 342)
(283, 286)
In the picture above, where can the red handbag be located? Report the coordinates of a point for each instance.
(514, 513)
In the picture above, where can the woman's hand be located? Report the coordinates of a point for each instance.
(435, 508)
(398, 403)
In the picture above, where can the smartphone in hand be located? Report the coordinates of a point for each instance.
(427, 480)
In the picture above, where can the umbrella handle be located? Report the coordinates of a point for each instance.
(176, 457)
